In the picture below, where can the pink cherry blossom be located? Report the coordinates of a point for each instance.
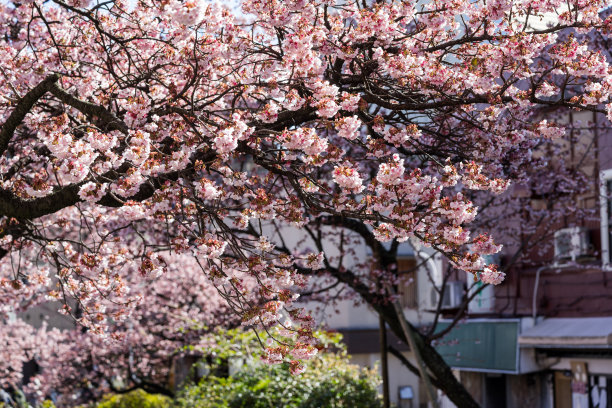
(138, 138)
(348, 178)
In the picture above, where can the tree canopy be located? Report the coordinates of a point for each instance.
(135, 134)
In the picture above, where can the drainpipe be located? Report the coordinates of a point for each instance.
(431, 265)
(534, 309)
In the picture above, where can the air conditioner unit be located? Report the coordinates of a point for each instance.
(452, 297)
(571, 243)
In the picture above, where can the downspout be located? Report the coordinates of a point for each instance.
(534, 310)
(429, 260)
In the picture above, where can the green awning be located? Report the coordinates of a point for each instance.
(481, 345)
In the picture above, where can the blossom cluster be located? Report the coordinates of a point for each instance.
(132, 134)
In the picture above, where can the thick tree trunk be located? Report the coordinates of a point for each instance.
(444, 377)
(442, 374)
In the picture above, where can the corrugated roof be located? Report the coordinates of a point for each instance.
(569, 332)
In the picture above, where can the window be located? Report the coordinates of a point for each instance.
(605, 191)
(598, 391)
(407, 270)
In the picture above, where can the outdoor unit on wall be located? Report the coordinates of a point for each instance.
(452, 298)
(571, 243)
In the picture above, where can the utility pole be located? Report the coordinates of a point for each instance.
(384, 366)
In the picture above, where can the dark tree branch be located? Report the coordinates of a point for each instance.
(23, 108)
(99, 115)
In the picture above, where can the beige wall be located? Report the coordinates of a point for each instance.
(399, 375)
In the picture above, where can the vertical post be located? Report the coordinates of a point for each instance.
(384, 366)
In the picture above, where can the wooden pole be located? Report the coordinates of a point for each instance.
(384, 366)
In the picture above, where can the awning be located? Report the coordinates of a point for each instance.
(587, 332)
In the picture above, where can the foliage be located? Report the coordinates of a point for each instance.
(135, 399)
(328, 381)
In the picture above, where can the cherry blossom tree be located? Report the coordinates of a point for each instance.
(133, 131)
(175, 314)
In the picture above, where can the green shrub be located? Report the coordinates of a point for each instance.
(328, 382)
(135, 399)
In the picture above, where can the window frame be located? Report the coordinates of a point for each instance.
(413, 287)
